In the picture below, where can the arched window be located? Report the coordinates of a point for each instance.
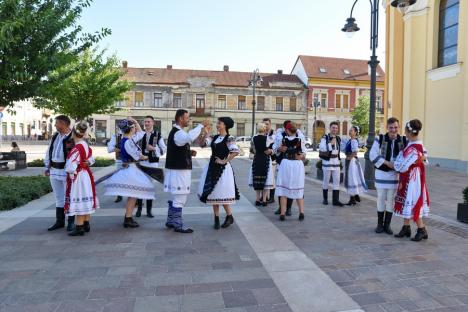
(345, 127)
(448, 32)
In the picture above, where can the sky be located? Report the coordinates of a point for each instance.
(244, 34)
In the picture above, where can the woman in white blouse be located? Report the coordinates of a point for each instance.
(217, 184)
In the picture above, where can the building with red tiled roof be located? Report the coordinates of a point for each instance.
(336, 83)
(159, 92)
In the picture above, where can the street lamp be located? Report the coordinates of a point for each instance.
(314, 142)
(254, 79)
(350, 28)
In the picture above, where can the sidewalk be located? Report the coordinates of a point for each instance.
(333, 261)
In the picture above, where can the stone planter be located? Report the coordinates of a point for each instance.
(462, 213)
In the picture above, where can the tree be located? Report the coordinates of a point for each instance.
(36, 38)
(360, 116)
(88, 85)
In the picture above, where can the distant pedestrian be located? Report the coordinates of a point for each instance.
(354, 181)
(412, 199)
(261, 176)
(217, 184)
(14, 147)
(80, 200)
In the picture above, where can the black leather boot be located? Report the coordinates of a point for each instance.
(130, 223)
(86, 226)
(216, 223)
(139, 207)
(59, 220)
(272, 196)
(118, 199)
(289, 206)
(325, 197)
(301, 216)
(380, 222)
(149, 207)
(352, 201)
(278, 211)
(71, 223)
(336, 199)
(420, 235)
(78, 231)
(387, 221)
(357, 198)
(228, 221)
(405, 231)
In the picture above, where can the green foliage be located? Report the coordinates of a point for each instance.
(465, 195)
(88, 85)
(36, 163)
(103, 162)
(360, 116)
(22, 190)
(100, 162)
(36, 38)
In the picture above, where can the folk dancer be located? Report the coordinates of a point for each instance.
(354, 181)
(291, 172)
(113, 146)
(152, 146)
(279, 150)
(270, 133)
(386, 149)
(261, 177)
(178, 173)
(217, 184)
(412, 199)
(54, 161)
(329, 152)
(81, 200)
(130, 181)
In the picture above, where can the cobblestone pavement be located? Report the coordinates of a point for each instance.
(333, 261)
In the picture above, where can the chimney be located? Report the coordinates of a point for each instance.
(226, 68)
(280, 71)
(124, 64)
(169, 66)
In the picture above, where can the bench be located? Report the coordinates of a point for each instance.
(18, 159)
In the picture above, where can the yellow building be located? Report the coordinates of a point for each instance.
(427, 77)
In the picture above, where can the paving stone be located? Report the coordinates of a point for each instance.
(81, 305)
(197, 302)
(109, 293)
(170, 290)
(239, 298)
(207, 287)
(163, 303)
(269, 308)
(253, 284)
(42, 307)
(268, 296)
(368, 298)
(120, 305)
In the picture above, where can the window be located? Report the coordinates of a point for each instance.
(379, 104)
(339, 126)
(448, 32)
(345, 127)
(346, 72)
(21, 125)
(337, 100)
(240, 129)
(120, 104)
(323, 70)
(261, 103)
(101, 129)
(221, 101)
(241, 102)
(292, 104)
(279, 104)
(346, 101)
(4, 128)
(323, 99)
(177, 100)
(158, 99)
(139, 99)
(13, 128)
(200, 101)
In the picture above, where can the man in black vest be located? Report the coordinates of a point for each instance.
(384, 151)
(153, 146)
(178, 173)
(54, 162)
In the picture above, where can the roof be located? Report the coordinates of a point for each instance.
(221, 78)
(335, 68)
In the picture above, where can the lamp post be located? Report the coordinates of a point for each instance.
(314, 142)
(350, 28)
(254, 79)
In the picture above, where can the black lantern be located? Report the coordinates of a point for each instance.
(350, 27)
(402, 5)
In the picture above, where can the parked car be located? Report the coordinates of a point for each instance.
(243, 141)
(308, 143)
